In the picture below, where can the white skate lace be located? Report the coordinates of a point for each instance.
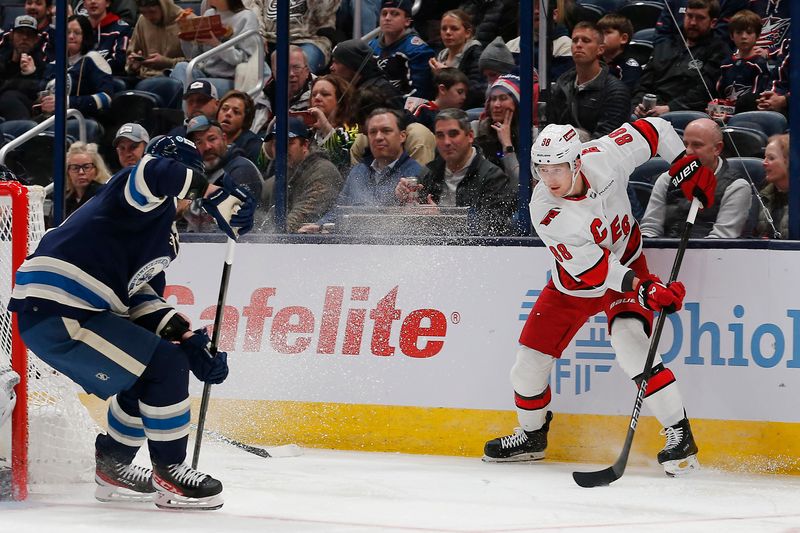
(674, 437)
(186, 475)
(134, 472)
(517, 439)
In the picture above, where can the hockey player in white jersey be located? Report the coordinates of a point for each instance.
(580, 210)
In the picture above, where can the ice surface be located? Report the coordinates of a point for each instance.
(338, 491)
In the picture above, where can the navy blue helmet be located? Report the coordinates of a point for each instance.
(178, 148)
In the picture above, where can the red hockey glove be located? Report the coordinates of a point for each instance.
(694, 179)
(654, 295)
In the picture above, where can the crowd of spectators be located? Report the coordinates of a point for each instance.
(422, 112)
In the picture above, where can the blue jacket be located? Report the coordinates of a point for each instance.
(91, 84)
(405, 63)
(362, 189)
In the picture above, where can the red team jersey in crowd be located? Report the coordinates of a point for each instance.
(595, 238)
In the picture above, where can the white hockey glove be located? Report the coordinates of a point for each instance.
(8, 398)
(232, 207)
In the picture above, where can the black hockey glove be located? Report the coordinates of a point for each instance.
(206, 367)
(174, 329)
(232, 207)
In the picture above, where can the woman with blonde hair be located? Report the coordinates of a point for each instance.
(462, 51)
(86, 173)
(775, 193)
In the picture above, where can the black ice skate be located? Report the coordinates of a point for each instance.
(181, 487)
(122, 482)
(520, 446)
(679, 455)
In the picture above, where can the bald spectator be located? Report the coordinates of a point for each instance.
(725, 218)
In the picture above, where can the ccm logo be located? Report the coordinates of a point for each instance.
(686, 172)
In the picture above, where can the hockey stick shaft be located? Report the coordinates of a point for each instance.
(614, 472)
(223, 292)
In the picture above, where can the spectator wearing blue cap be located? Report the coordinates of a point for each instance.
(312, 184)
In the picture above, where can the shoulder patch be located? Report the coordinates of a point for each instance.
(548, 218)
(631, 62)
(417, 41)
(590, 150)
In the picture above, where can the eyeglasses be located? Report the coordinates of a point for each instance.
(297, 68)
(78, 168)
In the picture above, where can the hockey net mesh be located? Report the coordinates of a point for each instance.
(61, 432)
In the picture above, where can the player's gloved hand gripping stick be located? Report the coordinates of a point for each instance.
(232, 207)
(608, 475)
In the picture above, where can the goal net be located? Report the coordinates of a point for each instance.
(51, 435)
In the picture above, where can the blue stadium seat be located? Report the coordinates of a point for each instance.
(608, 6)
(590, 12)
(743, 142)
(679, 119)
(649, 171)
(752, 166)
(133, 106)
(646, 35)
(642, 15)
(770, 122)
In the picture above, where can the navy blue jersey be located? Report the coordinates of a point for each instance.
(775, 17)
(743, 76)
(110, 254)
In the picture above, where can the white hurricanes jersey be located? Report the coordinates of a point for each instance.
(595, 237)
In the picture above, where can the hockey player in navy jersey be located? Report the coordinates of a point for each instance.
(89, 303)
(580, 209)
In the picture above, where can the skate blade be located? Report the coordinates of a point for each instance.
(105, 492)
(681, 467)
(175, 501)
(520, 458)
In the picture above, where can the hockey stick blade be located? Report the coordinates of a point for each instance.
(600, 478)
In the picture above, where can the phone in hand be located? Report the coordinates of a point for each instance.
(306, 116)
(137, 57)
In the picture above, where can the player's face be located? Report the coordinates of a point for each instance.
(697, 22)
(200, 104)
(454, 97)
(323, 97)
(500, 104)
(129, 152)
(81, 171)
(557, 178)
(231, 117)
(298, 71)
(36, 9)
(776, 169)
(586, 46)
(453, 143)
(393, 21)
(212, 145)
(74, 37)
(385, 137)
(453, 32)
(744, 39)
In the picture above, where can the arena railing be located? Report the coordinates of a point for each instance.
(253, 91)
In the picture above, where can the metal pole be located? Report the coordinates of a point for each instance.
(356, 19)
(60, 126)
(794, 139)
(281, 112)
(525, 119)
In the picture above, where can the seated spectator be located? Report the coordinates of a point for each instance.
(300, 78)
(312, 183)
(353, 61)
(671, 73)
(130, 142)
(402, 54)
(463, 52)
(200, 98)
(312, 27)
(498, 133)
(495, 61)
(22, 67)
(235, 115)
(563, 13)
(110, 34)
(126, 9)
(493, 19)
(91, 84)
(588, 96)
(220, 159)
(775, 194)
(372, 182)
(450, 86)
(777, 97)
(40, 10)
(86, 173)
(420, 143)
(667, 209)
(154, 47)
(460, 176)
(221, 68)
(776, 29)
(617, 31)
(333, 128)
(743, 75)
(666, 29)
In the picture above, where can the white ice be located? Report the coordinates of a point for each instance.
(338, 491)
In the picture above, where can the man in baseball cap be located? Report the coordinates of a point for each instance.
(200, 98)
(22, 67)
(130, 142)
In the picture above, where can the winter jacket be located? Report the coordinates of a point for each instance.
(373, 77)
(467, 62)
(599, 107)
(162, 38)
(250, 145)
(91, 83)
(727, 8)
(10, 76)
(626, 68)
(492, 18)
(405, 63)
(485, 188)
(310, 21)
(672, 75)
(111, 41)
(223, 64)
(777, 203)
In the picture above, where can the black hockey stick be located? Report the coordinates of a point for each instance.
(605, 477)
(223, 291)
